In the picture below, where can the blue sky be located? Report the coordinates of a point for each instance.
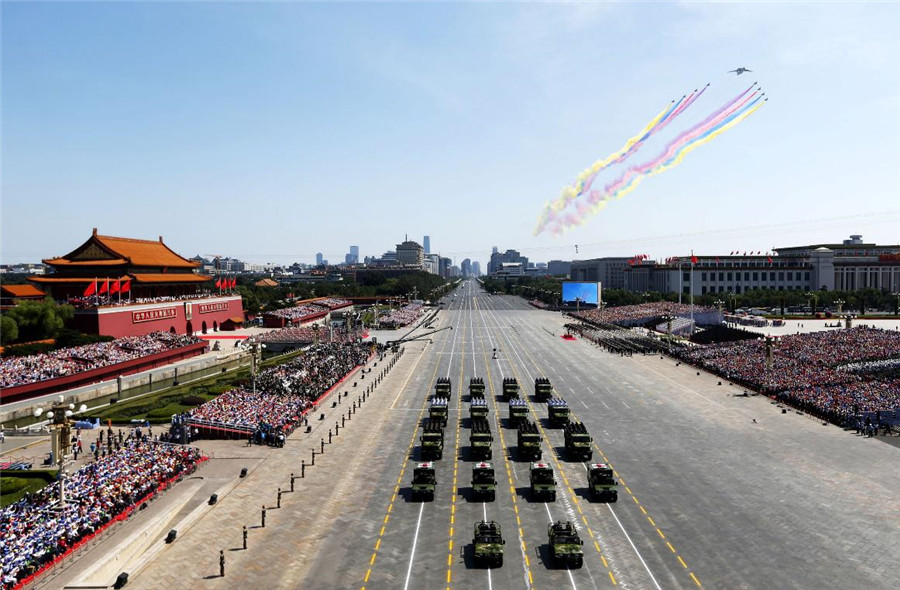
(272, 131)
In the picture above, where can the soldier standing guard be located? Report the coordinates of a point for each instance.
(244, 533)
(222, 563)
(264, 516)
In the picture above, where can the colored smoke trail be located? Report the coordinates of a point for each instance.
(720, 122)
(585, 180)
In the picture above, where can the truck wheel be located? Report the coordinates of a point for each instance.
(493, 496)
(613, 497)
(500, 561)
(578, 562)
(553, 496)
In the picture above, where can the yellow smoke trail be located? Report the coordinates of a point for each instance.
(560, 228)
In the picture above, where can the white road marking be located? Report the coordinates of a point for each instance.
(638, 553)
(415, 540)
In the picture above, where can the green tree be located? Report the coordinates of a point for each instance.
(38, 320)
(9, 329)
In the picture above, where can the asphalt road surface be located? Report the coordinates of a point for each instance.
(708, 497)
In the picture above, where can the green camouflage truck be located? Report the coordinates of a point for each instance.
(518, 411)
(529, 442)
(437, 412)
(543, 484)
(480, 439)
(423, 481)
(488, 542)
(542, 389)
(558, 411)
(442, 387)
(478, 408)
(565, 544)
(510, 388)
(432, 440)
(484, 484)
(602, 483)
(476, 388)
(578, 442)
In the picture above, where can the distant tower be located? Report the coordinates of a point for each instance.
(319, 258)
(354, 254)
(494, 250)
(426, 243)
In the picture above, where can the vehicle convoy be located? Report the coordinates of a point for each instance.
(437, 412)
(510, 388)
(423, 481)
(432, 440)
(578, 442)
(518, 411)
(478, 408)
(565, 544)
(558, 411)
(542, 389)
(602, 483)
(476, 388)
(529, 442)
(442, 387)
(484, 484)
(488, 542)
(543, 484)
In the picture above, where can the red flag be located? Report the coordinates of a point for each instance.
(105, 287)
(219, 284)
(233, 282)
(770, 259)
(91, 289)
(717, 261)
(693, 258)
(126, 287)
(114, 287)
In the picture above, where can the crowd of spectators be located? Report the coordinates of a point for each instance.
(283, 392)
(32, 536)
(307, 335)
(404, 316)
(631, 315)
(114, 300)
(68, 361)
(333, 302)
(835, 375)
(299, 312)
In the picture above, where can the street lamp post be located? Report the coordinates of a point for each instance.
(840, 305)
(256, 349)
(719, 303)
(60, 440)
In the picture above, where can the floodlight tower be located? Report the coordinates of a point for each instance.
(60, 439)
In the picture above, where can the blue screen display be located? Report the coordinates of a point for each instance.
(584, 292)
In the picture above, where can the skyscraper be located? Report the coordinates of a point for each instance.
(426, 243)
(319, 258)
(354, 255)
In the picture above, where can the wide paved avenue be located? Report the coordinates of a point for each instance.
(717, 490)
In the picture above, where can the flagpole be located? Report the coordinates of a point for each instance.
(692, 292)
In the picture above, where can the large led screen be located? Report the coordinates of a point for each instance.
(588, 293)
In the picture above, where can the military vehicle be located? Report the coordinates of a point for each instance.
(432, 440)
(438, 410)
(478, 408)
(480, 439)
(423, 481)
(518, 411)
(578, 442)
(484, 484)
(558, 411)
(543, 484)
(602, 483)
(510, 388)
(565, 544)
(476, 388)
(529, 442)
(542, 389)
(488, 542)
(442, 387)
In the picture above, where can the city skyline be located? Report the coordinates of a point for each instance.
(123, 117)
